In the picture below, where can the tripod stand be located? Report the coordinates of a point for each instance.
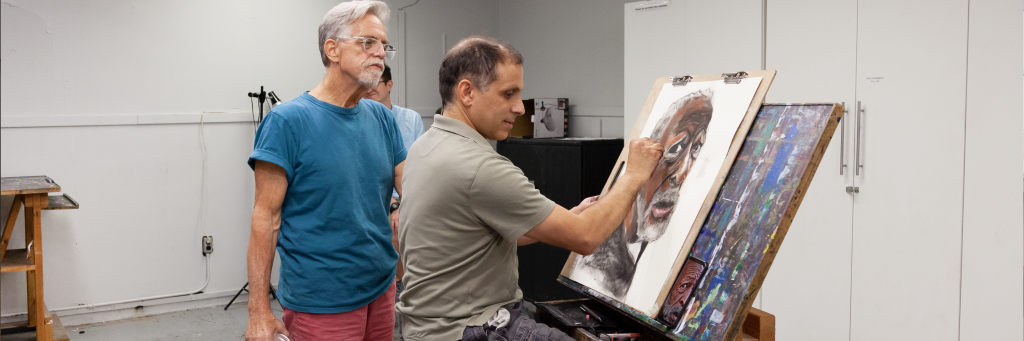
(246, 289)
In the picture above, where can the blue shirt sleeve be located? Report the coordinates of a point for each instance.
(417, 126)
(274, 144)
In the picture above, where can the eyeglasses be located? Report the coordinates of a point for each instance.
(372, 44)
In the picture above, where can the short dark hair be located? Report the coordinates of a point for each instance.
(386, 75)
(475, 59)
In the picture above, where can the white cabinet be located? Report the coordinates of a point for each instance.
(908, 214)
(813, 45)
(931, 246)
(889, 261)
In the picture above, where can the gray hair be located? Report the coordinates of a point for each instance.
(338, 21)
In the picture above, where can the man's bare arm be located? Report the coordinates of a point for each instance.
(271, 186)
(394, 220)
(584, 232)
(398, 177)
(583, 206)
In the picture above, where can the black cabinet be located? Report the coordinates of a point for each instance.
(565, 170)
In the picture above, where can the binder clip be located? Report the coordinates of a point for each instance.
(734, 78)
(681, 80)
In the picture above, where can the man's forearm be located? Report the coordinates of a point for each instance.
(260, 259)
(599, 221)
(398, 178)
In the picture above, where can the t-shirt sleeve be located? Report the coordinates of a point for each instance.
(274, 144)
(504, 199)
(417, 126)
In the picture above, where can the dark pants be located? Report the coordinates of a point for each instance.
(521, 327)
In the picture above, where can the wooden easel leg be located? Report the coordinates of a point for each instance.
(34, 204)
(12, 217)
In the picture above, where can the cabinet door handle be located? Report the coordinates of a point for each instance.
(858, 165)
(842, 141)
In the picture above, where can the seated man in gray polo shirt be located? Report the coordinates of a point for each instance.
(466, 208)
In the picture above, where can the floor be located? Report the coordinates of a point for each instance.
(200, 324)
(212, 323)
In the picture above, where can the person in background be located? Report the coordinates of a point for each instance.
(325, 165)
(411, 126)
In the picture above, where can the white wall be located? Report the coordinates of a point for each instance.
(136, 233)
(97, 72)
(694, 37)
(106, 99)
(143, 57)
(429, 29)
(571, 49)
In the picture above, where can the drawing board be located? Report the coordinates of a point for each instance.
(724, 109)
(696, 124)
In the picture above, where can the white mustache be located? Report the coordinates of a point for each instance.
(370, 63)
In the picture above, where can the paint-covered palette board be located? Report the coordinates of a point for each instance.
(752, 214)
(744, 229)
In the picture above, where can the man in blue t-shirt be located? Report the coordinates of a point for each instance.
(326, 164)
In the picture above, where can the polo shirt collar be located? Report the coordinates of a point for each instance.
(457, 127)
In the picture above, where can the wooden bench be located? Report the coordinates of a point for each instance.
(32, 192)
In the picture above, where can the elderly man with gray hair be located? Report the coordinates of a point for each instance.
(325, 166)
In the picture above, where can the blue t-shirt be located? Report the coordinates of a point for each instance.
(335, 238)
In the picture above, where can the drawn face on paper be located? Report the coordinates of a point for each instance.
(688, 278)
(682, 131)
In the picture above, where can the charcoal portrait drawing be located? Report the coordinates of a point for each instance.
(682, 131)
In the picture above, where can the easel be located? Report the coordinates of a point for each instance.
(790, 136)
(31, 191)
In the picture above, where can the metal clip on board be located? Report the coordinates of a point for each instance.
(734, 78)
(681, 80)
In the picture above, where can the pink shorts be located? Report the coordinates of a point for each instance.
(374, 321)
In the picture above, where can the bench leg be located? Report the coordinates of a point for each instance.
(34, 204)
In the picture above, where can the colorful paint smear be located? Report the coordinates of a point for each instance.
(746, 215)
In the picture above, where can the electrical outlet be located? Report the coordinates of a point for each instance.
(207, 245)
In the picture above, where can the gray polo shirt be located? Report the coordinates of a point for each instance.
(463, 207)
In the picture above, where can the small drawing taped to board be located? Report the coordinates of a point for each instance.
(680, 296)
